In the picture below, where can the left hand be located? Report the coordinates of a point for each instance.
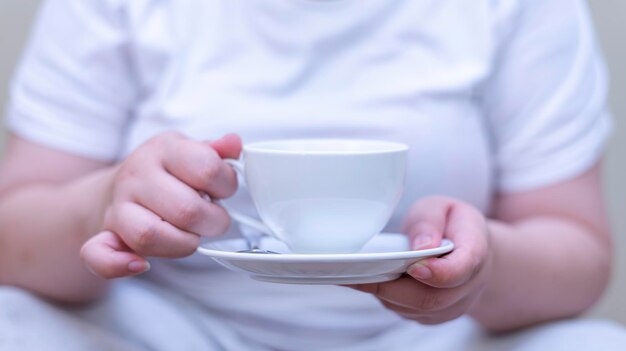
(437, 290)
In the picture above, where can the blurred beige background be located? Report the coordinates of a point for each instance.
(16, 16)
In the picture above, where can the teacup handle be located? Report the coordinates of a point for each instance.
(238, 166)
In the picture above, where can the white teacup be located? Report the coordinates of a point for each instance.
(323, 195)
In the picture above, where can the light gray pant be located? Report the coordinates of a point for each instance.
(134, 316)
(138, 316)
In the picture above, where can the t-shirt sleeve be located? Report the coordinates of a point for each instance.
(73, 89)
(546, 98)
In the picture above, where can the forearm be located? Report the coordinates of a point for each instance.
(43, 228)
(543, 269)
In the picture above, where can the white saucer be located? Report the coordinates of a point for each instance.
(385, 257)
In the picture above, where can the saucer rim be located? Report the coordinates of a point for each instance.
(445, 247)
(317, 280)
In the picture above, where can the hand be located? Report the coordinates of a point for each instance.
(437, 290)
(157, 207)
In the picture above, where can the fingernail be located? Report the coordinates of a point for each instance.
(139, 266)
(419, 270)
(422, 241)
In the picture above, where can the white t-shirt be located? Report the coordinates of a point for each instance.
(490, 95)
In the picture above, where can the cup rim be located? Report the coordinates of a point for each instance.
(312, 146)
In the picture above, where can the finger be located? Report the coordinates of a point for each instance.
(450, 313)
(400, 309)
(426, 222)
(147, 234)
(106, 255)
(181, 205)
(466, 228)
(201, 167)
(409, 293)
(228, 146)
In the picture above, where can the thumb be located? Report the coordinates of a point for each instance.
(107, 256)
(228, 146)
(426, 222)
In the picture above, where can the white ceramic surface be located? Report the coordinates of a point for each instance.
(325, 195)
(385, 257)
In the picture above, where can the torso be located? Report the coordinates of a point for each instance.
(266, 69)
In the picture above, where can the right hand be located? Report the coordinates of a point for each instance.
(157, 207)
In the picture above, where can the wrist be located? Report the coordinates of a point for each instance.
(93, 193)
(486, 296)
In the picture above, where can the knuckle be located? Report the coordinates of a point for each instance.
(189, 212)
(146, 236)
(130, 177)
(126, 173)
